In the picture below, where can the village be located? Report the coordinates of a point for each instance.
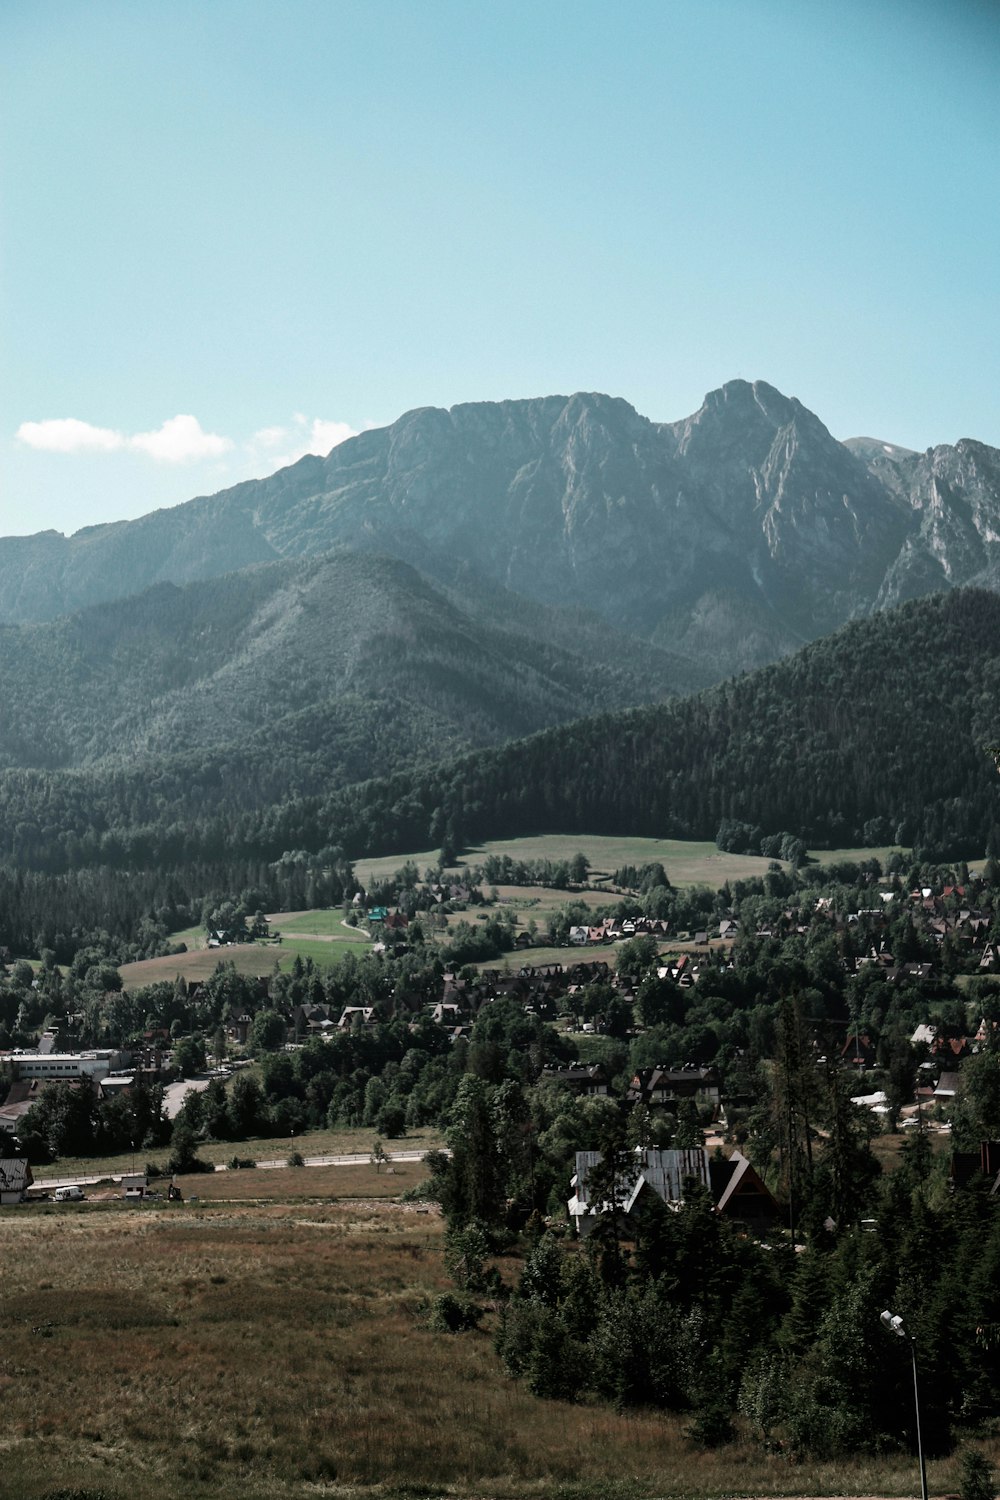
(637, 1011)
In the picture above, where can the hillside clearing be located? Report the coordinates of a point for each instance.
(687, 862)
(250, 1351)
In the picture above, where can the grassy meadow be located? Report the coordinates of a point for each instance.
(346, 1141)
(319, 935)
(686, 861)
(260, 1350)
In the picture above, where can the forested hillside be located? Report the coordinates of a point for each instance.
(321, 671)
(873, 734)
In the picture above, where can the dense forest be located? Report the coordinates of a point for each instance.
(871, 735)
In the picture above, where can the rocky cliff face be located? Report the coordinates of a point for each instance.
(733, 535)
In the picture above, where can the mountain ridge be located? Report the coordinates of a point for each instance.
(732, 535)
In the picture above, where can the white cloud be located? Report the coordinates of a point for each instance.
(269, 437)
(297, 438)
(327, 435)
(68, 435)
(180, 440)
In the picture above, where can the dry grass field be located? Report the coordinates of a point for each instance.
(283, 1349)
(342, 1142)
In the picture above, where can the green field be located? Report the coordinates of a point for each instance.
(326, 923)
(255, 959)
(686, 862)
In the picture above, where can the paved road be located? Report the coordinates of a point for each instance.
(354, 1159)
(175, 1093)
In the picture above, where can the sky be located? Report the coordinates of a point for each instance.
(235, 231)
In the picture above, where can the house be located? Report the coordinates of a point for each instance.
(446, 1014)
(950, 1050)
(737, 1190)
(661, 1172)
(20, 1097)
(947, 1086)
(668, 1086)
(15, 1179)
(579, 1080)
(740, 1192)
(858, 1051)
(356, 1015)
(312, 1020)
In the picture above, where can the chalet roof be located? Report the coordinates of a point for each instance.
(15, 1174)
(744, 1183)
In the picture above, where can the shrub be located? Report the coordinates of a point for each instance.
(465, 1255)
(711, 1426)
(296, 1159)
(451, 1314)
(977, 1476)
(236, 1163)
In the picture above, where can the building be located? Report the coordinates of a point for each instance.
(737, 1190)
(63, 1066)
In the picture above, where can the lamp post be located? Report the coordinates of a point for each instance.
(894, 1324)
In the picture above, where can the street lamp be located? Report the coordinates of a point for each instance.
(894, 1324)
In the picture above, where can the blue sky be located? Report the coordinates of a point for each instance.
(234, 231)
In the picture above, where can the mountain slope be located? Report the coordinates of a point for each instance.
(334, 667)
(873, 734)
(732, 536)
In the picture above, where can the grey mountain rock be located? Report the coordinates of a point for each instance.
(731, 536)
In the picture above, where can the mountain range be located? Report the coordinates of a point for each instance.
(285, 663)
(730, 537)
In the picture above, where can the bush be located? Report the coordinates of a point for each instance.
(711, 1426)
(451, 1314)
(237, 1163)
(977, 1476)
(296, 1159)
(465, 1255)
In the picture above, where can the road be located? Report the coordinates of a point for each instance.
(349, 1159)
(175, 1093)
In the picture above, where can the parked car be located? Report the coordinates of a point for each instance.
(68, 1194)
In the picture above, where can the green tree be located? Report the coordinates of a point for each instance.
(475, 1185)
(267, 1032)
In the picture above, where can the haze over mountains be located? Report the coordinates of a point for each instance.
(730, 537)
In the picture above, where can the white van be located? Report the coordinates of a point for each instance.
(68, 1194)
